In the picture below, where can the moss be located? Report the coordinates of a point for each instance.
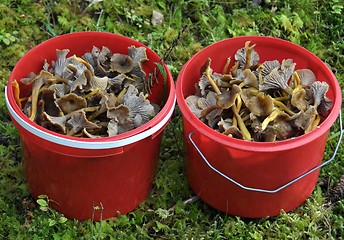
(316, 25)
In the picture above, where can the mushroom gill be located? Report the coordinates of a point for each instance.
(78, 122)
(274, 81)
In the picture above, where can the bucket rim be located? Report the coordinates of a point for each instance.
(281, 145)
(147, 129)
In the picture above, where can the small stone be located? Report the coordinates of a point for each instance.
(157, 18)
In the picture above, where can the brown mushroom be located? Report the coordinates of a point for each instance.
(56, 124)
(207, 104)
(249, 79)
(298, 99)
(282, 126)
(274, 81)
(50, 105)
(61, 62)
(78, 122)
(266, 67)
(138, 105)
(226, 99)
(71, 102)
(261, 105)
(139, 56)
(104, 57)
(287, 68)
(203, 84)
(37, 82)
(306, 77)
(319, 89)
(121, 63)
(192, 102)
(120, 119)
(60, 89)
(98, 82)
(247, 57)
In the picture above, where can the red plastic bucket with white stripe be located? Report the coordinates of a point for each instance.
(253, 179)
(79, 174)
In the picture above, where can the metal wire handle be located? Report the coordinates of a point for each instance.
(283, 186)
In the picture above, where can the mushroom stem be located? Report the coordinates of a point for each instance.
(91, 93)
(283, 107)
(34, 97)
(297, 80)
(241, 124)
(314, 123)
(280, 99)
(206, 111)
(225, 69)
(121, 94)
(270, 118)
(248, 54)
(211, 81)
(16, 93)
(238, 102)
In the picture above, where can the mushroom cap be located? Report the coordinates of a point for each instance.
(120, 119)
(78, 122)
(324, 106)
(139, 56)
(60, 89)
(50, 105)
(104, 55)
(298, 99)
(99, 82)
(306, 76)
(227, 98)
(61, 63)
(249, 79)
(71, 102)
(203, 84)
(274, 80)
(192, 102)
(121, 63)
(266, 67)
(245, 53)
(319, 89)
(282, 126)
(208, 101)
(138, 105)
(260, 105)
(287, 68)
(56, 124)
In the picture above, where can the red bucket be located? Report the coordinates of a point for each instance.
(253, 179)
(79, 174)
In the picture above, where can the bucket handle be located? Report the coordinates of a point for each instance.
(283, 186)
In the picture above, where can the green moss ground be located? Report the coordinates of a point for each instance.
(315, 25)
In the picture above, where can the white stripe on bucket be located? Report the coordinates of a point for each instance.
(88, 145)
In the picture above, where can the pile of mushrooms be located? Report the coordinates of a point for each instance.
(263, 102)
(97, 95)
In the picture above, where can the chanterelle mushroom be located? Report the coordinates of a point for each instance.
(139, 57)
(78, 122)
(260, 105)
(274, 80)
(121, 63)
(138, 105)
(37, 82)
(273, 102)
(71, 102)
